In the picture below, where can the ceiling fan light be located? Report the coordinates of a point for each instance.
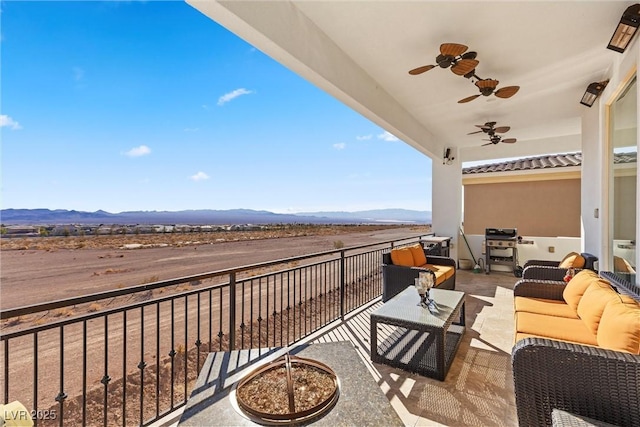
(626, 29)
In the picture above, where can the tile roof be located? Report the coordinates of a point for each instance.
(543, 162)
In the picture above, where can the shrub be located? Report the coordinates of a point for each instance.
(338, 244)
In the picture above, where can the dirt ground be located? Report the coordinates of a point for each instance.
(37, 270)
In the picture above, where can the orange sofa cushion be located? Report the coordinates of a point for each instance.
(576, 287)
(550, 307)
(557, 328)
(592, 303)
(572, 259)
(620, 326)
(417, 252)
(402, 256)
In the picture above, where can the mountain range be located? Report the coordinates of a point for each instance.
(209, 216)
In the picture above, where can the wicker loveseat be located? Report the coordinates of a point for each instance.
(577, 350)
(556, 270)
(401, 266)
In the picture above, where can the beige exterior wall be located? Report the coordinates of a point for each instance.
(545, 208)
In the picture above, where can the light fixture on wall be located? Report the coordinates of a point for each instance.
(448, 156)
(594, 90)
(626, 29)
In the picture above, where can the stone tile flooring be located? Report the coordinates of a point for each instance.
(478, 390)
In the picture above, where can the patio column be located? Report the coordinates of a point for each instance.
(595, 185)
(446, 200)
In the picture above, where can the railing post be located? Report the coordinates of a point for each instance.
(342, 287)
(232, 310)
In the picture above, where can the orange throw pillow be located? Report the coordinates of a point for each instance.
(572, 259)
(402, 256)
(419, 258)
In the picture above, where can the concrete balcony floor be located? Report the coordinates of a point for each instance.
(478, 390)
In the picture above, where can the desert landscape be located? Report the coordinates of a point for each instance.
(40, 269)
(37, 270)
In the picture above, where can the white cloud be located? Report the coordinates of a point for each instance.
(200, 176)
(6, 121)
(142, 150)
(386, 136)
(340, 146)
(232, 95)
(364, 137)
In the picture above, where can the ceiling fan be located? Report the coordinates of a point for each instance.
(452, 55)
(488, 87)
(489, 128)
(494, 139)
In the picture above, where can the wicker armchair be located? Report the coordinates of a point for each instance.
(580, 379)
(549, 270)
(396, 278)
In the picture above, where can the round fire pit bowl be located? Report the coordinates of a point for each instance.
(288, 390)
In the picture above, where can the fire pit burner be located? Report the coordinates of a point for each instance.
(288, 390)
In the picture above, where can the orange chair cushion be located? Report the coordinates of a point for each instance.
(620, 326)
(447, 270)
(441, 272)
(557, 328)
(592, 303)
(576, 287)
(572, 259)
(550, 307)
(419, 258)
(402, 256)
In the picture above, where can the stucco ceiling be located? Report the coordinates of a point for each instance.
(361, 52)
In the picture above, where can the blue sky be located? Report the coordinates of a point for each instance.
(127, 106)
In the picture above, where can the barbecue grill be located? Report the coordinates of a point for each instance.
(500, 247)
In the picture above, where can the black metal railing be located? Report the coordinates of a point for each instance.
(131, 356)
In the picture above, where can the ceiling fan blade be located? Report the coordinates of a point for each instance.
(507, 92)
(479, 131)
(464, 66)
(421, 70)
(502, 129)
(468, 98)
(452, 49)
(487, 83)
(509, 140)
(488, 143)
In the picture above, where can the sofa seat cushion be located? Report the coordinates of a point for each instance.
(550, 307)
(402, 257)
(558, 328)
(577, 286)
(417, 252)
(592, 303)
(620, 325)
(442, 272)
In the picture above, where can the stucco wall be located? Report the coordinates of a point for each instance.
(536, 208)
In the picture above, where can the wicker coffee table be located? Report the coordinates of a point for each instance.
(423, 341)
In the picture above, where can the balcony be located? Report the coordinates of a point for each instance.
(478, 390)
(87, 369)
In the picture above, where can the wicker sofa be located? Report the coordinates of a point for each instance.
(556, 270)
(401, 266)
(577, 349)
